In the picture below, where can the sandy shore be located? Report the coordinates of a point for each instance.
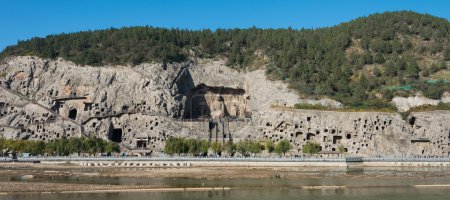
(209, 170)
(13, 187)
(203, 172)
(44, 187)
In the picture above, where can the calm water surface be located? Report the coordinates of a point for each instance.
(361, 183)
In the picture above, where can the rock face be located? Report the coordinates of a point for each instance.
(405, 103)
(45, 99)
(141, 106)
(360, 133)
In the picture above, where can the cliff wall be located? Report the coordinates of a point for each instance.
(43, 99)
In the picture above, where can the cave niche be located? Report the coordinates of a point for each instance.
(72, 114)
(115, 135)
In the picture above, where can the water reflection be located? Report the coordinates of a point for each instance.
(357, 182)
(258, 194)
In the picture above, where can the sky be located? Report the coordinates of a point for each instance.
(24, 19)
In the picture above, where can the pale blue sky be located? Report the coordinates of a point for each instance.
(24, 19)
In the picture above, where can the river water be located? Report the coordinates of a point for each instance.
(355, 183)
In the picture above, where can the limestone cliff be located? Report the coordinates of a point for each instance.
(143, 105)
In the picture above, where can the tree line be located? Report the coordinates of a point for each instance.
(200, 147)
(61, 147)
(353, 62)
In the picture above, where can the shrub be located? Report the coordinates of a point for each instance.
(230, 148)
(217, 148)
(283, 146)
(270, 146)
(311, 148)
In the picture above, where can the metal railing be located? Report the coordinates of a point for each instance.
(222, 159)
(407, 159)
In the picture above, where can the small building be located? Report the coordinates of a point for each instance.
(141, 141)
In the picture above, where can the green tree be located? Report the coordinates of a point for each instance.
(241, 147)
(2, 143)
(283, 146)
(193, 146)
(379, 59)
(311, 148)
(112, 147)
(254, 147)
(171, 146)
(412, 69)
(204, 146)
(217, 148)
(447, 54)
(270, 146)
(390, 69)
(230, 148)
(368, 58)
(397, 46)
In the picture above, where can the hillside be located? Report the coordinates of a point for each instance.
(362, 63)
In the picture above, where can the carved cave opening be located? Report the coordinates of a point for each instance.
(72, 114)
(116, 135)
(310, 136)
(412, 121)
(349, 136)
(205, 101)
(141, 144)
(87, 106)
(337, 139)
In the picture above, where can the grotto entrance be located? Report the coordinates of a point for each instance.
(205, 101)
(337, 139)
(115, 135)
(72, 114)
(141, 144)
(412, 121)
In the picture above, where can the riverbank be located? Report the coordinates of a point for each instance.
(156, 162)
(44, 187)
(205, 164)
(205, 169)
(73, 178)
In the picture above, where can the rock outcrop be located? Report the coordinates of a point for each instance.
(405, 103)
(141, 106)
